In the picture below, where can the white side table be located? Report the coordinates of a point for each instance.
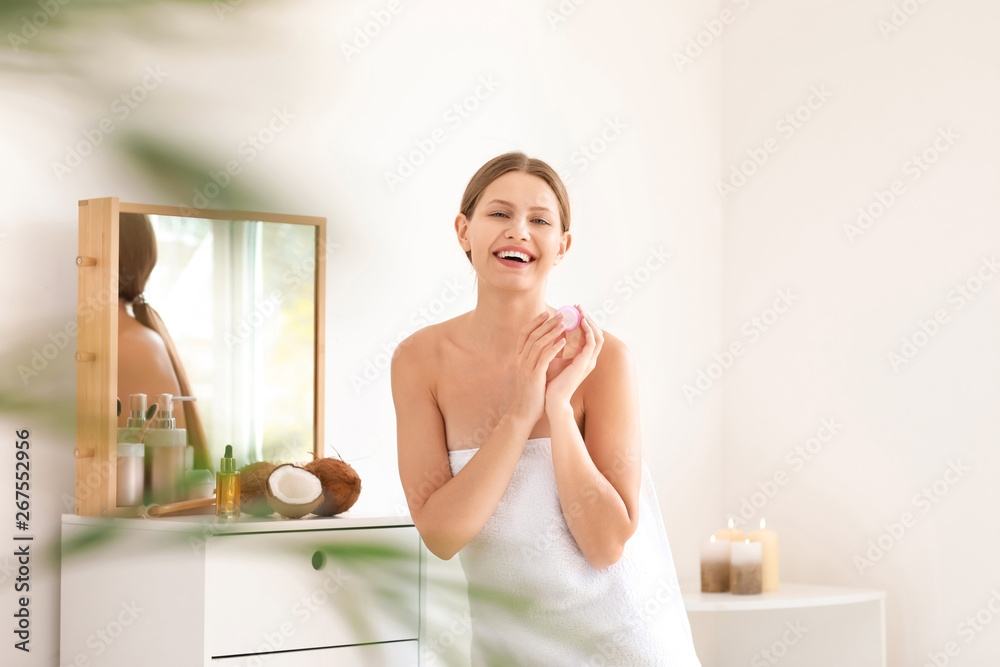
(800, 625)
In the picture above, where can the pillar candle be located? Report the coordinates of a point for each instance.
(715, 566)
(745, 572)
(769, 555)
(731, 534)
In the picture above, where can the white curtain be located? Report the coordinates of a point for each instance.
(236, 289)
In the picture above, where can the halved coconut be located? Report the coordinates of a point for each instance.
(341, 485)
(253, 483)
(292, 491)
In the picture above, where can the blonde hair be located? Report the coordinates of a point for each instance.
(506, 163)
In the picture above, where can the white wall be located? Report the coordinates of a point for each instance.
(825, 358)
(857, 298)
(555, 89)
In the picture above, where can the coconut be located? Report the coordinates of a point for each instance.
(253, 480)
(293, 491)
(341, 485)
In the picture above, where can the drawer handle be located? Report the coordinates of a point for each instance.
(319, 560)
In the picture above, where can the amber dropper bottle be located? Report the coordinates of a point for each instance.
(227, 487)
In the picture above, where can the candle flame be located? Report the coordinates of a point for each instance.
(748, 540)
(762, 524)
(713, 538)
(730, 522)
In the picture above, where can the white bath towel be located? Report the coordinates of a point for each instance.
(535, 600)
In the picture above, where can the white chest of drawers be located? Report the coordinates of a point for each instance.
(193, 591)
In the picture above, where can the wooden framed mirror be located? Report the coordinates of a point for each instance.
(242, 294)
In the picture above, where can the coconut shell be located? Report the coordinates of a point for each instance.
(285, 509)
(341, 485)
(253, 481)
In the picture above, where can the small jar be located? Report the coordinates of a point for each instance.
(130, 473)
(199, 484)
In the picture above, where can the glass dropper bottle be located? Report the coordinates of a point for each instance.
(227, 487)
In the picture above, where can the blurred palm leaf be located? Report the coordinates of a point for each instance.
(173, 170)
(178, 171)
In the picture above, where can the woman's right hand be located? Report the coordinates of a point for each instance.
(537, 345)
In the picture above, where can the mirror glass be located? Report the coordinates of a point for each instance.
(238, 300)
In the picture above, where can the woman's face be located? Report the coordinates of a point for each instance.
(518, 212)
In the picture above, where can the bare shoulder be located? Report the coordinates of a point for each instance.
(614, 376)
(419, 358)
(134, 338)
(420, 432)
(420, 350)
(144, 364)
(614, 360)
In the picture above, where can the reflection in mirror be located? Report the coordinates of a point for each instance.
(235, 301)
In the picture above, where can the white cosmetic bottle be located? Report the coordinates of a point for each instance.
(166, 446)
(130, 472)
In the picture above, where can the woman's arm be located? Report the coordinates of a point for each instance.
(598, 476)
(447, 511)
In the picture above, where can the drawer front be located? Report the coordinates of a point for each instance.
(396, 654)
(311, 589)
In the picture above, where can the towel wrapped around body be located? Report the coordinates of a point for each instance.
(535, 600)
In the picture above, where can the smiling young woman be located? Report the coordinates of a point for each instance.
(519, 449)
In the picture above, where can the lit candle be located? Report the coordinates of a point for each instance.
(731, 534)
(745, 573)
(715, 566)
(769, 545)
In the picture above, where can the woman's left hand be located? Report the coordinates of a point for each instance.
(562, 386)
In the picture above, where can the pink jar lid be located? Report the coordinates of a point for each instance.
(572, 317)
